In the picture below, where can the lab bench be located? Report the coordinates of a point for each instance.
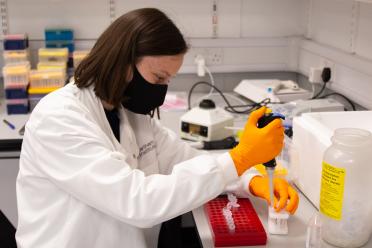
(10, 148)
(297, 223)
(9, 159)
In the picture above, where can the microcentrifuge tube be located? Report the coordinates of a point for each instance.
(233, 201)
(314, 232)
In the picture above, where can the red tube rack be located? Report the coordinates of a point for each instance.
(248, 227)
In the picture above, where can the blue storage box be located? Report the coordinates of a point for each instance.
(16, 93)
(58, 34)
(60, 44)
(17, 106)
(15, 42)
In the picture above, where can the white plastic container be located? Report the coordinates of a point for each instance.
(345, 197)
(312, 134)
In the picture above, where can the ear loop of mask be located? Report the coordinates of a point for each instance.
(152, 113)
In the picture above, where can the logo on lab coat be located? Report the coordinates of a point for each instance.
(146, 148)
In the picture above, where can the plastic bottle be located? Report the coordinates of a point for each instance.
(345, 195)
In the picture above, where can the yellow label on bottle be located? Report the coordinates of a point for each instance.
(332, 191)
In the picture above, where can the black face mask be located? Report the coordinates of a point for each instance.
(143, 97)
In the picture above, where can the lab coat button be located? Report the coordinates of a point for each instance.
(134, 155)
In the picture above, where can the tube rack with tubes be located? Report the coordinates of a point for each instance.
(16, 75)
(47, 79)
(16, 56)
(248, 227)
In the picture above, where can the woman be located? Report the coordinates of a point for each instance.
(97, 171)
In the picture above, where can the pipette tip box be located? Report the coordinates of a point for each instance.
(248, 227)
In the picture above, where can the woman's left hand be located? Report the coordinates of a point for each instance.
(288, 197)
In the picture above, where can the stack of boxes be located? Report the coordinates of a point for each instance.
(25, 87)
(61, 38)
(50, 74)
(16, 73)
(52, 64)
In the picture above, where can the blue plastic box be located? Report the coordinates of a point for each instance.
(58, 34)
(16, 93)
(15, 42)
(60, 44)
(17, 107)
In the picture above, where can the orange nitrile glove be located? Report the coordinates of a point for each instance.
(259, 186)
(257, 145)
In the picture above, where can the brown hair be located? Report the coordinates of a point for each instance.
(141, 32)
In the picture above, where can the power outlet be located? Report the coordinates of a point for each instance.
(215, 56)
(331, 65)
(315, 73)
(212, 56)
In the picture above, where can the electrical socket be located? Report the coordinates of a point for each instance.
(329, 63)
(315, 74)
(215, 56)
(212, 56)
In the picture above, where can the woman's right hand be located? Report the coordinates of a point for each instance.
(257, 145)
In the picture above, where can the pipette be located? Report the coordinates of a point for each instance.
(270, 165)
(277, 221)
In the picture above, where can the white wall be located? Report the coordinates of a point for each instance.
(272, 18)
(251, 34)
(339, 35)
(88, 18)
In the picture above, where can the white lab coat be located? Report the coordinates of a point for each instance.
(79, 187)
